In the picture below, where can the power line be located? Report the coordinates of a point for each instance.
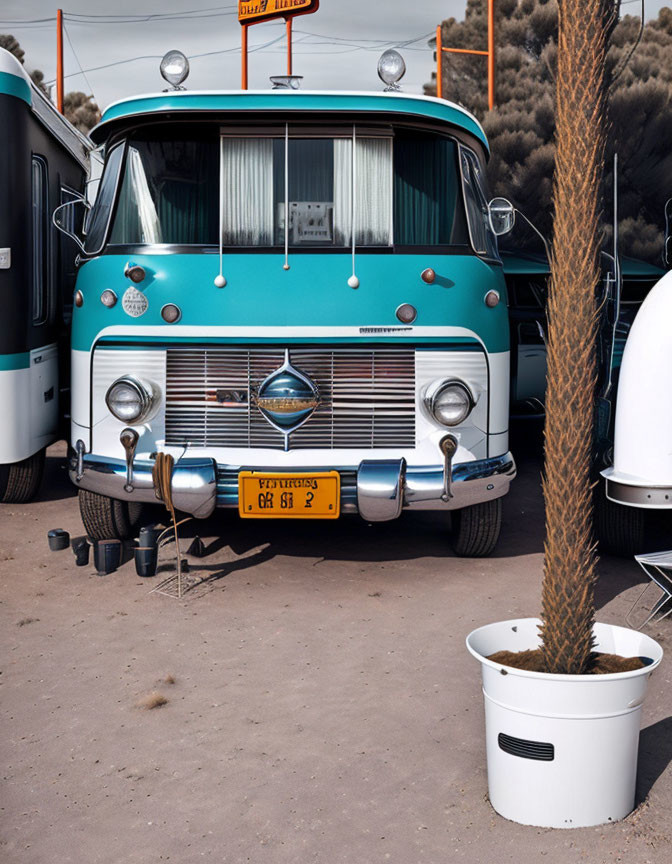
(87, 17)
(74, 53)
(159, 56)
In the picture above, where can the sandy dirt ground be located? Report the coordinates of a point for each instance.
(321, 705)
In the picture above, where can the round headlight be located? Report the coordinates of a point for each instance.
(450, 403)
(128, 400)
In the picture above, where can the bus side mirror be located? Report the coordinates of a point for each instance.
(502, 216)
(667, 244)
(63, 218)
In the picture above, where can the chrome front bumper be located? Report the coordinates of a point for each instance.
(376, 489)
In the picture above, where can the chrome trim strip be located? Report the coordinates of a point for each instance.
(654, 497)
(194, 482)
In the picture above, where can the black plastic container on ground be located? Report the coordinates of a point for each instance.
(197, 548)
(146, 558)
(58, 539)
(81, 550)
(149, 535)
(107, 556)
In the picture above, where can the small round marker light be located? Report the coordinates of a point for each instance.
(391, 69)
(108, 298)
(407, 313)
(134, 272)
(78, 299)
(171, 313)
(491, 299)
(174, 69)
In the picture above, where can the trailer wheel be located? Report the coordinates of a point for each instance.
(20, 481)
(475, 530)
(106, 518)
(620, 530)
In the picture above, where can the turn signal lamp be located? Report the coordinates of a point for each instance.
(108, 298)
(134, 272)
(171, 313)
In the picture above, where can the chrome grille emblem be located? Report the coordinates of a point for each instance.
(287, 398)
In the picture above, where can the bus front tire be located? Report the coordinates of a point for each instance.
(106, 518)
(20, 481)
(475, 530)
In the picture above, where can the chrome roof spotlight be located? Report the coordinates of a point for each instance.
(174, 69)
(286, 82)
(391, 69)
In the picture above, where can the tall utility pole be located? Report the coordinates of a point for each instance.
(59, 60)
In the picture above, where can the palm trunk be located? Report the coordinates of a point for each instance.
(568, 607)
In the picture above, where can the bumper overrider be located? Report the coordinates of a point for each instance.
(376, 489)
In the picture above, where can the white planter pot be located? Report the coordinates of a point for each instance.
(561, 749)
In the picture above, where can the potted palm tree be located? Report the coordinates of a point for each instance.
(563, 694)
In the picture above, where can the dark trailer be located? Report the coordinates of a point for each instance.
(44, 162)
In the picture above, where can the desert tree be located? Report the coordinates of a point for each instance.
(521, 128)
(79, 109)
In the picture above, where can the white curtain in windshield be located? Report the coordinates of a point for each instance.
(374, 179)
(150, 227)
(247, 178)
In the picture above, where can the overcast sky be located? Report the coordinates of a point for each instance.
(336, 55)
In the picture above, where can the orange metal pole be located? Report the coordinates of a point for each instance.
(289, 45)
(243, 51)
(464, 51)
(491, 54)
(59, 60)
(439, 63)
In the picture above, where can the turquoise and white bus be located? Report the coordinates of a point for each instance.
(299, 296)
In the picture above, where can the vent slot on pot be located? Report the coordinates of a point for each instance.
(526, 749)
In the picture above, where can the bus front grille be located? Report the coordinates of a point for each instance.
(367, 397)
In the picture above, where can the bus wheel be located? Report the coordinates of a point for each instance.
(20, 481)
(106, 518)
(619, 530)
(475, 530)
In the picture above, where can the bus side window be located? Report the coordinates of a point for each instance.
(71, 219)
(40, 250)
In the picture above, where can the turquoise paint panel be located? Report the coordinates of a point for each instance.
(130, 343)
(532, 263)
(314, 292)
(10, 362)
(12, 85)
(284, 101)
(634, 268)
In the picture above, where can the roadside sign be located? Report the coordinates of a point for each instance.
(252, 11)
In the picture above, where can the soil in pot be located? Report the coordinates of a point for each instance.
(600, 663)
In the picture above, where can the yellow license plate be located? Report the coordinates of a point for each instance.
(263, 494)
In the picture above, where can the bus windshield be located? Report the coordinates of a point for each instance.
(407, 189)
